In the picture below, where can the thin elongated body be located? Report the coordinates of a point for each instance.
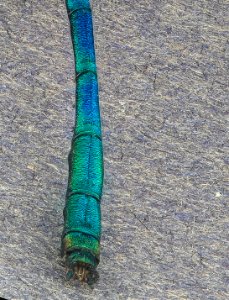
(82, 216)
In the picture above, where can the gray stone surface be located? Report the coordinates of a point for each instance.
(163, 89)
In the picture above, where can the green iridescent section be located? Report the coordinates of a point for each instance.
(86, 166)
(82, 215)
(81, 248)
(81, 241)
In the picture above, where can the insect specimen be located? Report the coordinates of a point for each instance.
(82, 215)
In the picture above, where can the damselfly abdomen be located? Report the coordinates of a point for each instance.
(82, 217)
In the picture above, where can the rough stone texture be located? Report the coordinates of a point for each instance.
(163, 89)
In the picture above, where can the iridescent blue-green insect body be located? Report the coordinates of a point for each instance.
(82, 218)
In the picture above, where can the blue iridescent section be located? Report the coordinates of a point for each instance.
(82, 36)
(87, 109)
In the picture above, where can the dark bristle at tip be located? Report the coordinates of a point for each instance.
(82, 272)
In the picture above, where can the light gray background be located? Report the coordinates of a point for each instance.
(162, 69)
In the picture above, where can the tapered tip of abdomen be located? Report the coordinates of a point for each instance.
(82, 272)
(81, 266)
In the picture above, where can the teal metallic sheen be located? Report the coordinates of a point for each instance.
(82, 215)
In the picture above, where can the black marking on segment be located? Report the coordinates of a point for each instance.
(78, 9)
(86, 133)
(83, 192)
(78, 74)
